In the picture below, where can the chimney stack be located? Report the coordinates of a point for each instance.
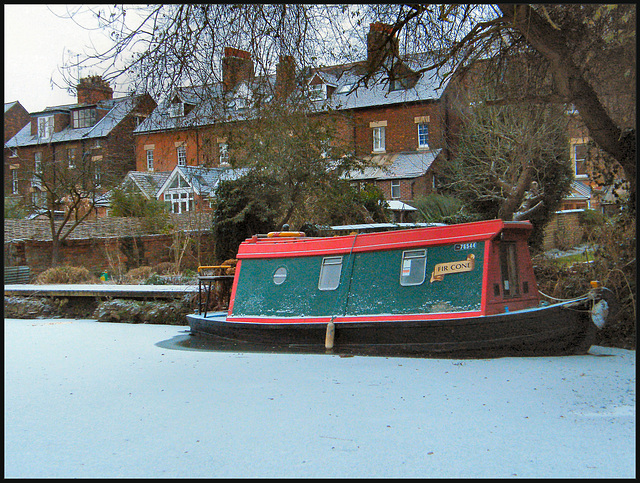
(237, 66)
(380, 44)
(285, 76)
(93, 89)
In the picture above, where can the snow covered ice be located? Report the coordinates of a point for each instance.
(92, 399)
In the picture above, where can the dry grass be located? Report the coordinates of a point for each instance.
(66, 274)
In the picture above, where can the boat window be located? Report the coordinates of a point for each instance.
(280, 276)
(330, 273)
(414, 263)
(509, 269)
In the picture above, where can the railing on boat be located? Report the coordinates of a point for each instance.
(214, 278)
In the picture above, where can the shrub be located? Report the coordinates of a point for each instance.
(164, 268)
(66, 274)
(614, 265)
(138, 274)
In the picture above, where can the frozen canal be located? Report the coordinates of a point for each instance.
(90, 399)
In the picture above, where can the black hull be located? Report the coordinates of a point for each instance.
(553, 330)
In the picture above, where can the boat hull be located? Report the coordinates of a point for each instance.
(558, 329)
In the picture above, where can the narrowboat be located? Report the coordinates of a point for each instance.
(452, 290)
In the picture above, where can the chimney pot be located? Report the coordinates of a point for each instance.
(93, 89)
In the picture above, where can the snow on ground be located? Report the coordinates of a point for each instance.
(90, 399)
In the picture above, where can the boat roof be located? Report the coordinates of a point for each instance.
(275, 247)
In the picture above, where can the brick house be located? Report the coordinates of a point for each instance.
(15, 118)
(399, 127)
(97, 128)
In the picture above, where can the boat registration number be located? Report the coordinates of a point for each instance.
(464, 246)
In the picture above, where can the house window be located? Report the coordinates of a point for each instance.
(71, 155)
(84, 118)
(579, 152)
(413, 269)
(14, 181)
(330, 273)
(45, 126)
(318, 92)
(395, 189)
(38, 163)
(223, 149)
(97, 176)
(378, 138)
(509, 270)
(423, 135)
(149, 159)
(39, 198)
(182, 155)
(176, 109)
(181, 202)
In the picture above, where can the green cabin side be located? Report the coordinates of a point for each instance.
(417, 280)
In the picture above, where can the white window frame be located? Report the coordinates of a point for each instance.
(45, 126)
(413, 268)
(149, 159)
(223, 150)
(575, 160)
(422, 136)
(182, 155)
(330, 271)
(379, 143)
(37, 162)
(97, 175)
(71, 156)
(318, 92)
(395, 188)
(14, 182)
(179, 200)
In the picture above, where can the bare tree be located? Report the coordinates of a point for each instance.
(570, 47)
(65, 195)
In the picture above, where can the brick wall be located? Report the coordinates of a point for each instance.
(109, 243)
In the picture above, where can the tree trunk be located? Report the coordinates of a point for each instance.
(570, 83)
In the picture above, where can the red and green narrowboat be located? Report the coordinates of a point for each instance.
(466, 289)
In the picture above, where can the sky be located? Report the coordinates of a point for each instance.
(36, 42)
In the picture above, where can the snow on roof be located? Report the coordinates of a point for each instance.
(396, 165)
(118, 109)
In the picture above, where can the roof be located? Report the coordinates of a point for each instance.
(118, 109)
(212, 106)
(579, 190)
(396, 165)
(9, 105)
(396, 205)
(148, 182)
(203, 180)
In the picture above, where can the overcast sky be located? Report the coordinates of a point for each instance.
(35, 45)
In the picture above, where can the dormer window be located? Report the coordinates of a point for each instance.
(84, 118)
(45, 126)
(176, 109)
(318, 92)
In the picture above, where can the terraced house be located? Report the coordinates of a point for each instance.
(82, 147)
(400, 127)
